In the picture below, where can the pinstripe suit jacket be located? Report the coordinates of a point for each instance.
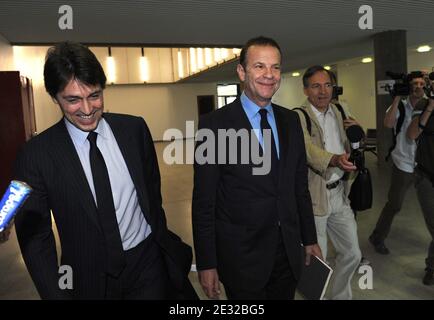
(50, 165)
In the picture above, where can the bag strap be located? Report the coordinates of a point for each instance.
(341, 110)
(401, 118)
(307, 119)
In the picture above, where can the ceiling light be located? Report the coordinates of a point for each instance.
(367, 60)
(236, 51)
(180, 65)
(327, 67)
(208, 56)
(111, 67)
(296, 74)
(199, 56)
(193, 65)
(224, 53)
(144, 67)
(424, 49)
(217, 55)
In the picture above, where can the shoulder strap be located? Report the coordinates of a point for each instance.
(306, 117)
(401, 118)
(341, 110)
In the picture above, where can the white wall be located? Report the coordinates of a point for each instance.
(162, 106)
(6, 55)
(30, 62)
(420, 61)
(358, 81)
(290, 93)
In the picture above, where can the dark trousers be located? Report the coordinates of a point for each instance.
(280, 286)
(144, 277)
(400, 182)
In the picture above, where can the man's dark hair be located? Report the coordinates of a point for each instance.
(311, 71)
(68, 60)
(258, 41)
(333, 77)
(415, 74)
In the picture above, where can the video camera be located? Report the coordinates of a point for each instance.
(337, 91)
(402, 85)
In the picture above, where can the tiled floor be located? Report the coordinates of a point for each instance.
(396, 276)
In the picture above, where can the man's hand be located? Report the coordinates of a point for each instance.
(350, 122)
(341, 161)
(312, 250)
(209, 280)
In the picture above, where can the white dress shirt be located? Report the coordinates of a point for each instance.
(133, 226)
(332, 140)
(405, 150)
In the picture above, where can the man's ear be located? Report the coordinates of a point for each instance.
(305, 91)
(241, 72)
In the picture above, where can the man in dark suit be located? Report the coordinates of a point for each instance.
(247, 228)
(98, 175)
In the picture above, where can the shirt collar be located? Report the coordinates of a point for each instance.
(319, 113)
(252, 108)
(80, 136)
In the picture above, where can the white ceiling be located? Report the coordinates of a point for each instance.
(309, 32)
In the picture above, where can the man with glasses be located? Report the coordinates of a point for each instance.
(327, 150)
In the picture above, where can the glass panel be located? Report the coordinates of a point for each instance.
(221, 102)
(227, 90)
(230, 99)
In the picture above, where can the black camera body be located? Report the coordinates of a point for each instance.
(355, 135)
(357, 158)
(401, 87)
(337, 91)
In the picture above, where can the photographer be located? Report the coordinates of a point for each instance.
(422, 130)
(398, 116)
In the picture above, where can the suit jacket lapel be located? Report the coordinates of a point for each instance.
(239, 119)
(63, 151)
(132, 159)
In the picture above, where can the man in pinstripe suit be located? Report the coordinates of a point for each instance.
(98, 175)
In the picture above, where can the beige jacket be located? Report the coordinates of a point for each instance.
(318, 158)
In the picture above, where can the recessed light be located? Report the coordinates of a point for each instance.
(367, 60)
(327, 67)
(424, 49)
(296, 74)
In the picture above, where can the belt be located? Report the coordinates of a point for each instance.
(333, 184)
